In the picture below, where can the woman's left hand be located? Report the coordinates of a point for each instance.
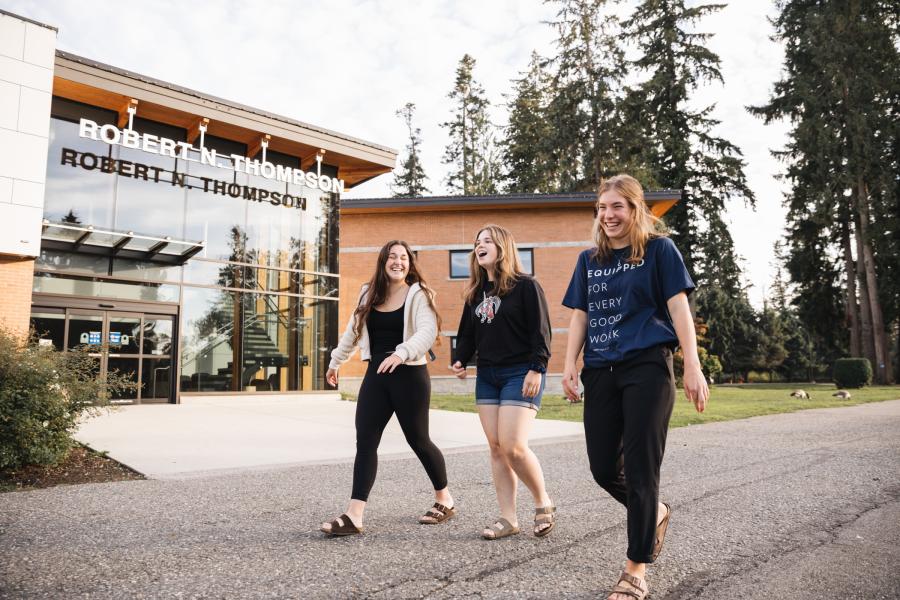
(532, 384)
(390, 363)
(695, 387)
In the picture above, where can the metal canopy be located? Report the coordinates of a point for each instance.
(121, 244)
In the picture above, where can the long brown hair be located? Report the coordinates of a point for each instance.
(378, 286)
(644, 224)
(507, 270)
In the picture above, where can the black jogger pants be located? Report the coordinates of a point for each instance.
(406, 392)
(626, 416)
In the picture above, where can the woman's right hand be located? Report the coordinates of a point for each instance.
(458, 369)
(570, 384)
(331, 377)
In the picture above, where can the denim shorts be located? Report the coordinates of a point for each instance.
(503, 386)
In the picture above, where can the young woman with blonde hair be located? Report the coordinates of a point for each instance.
(505, 319)
(629, 304)
(394, 325)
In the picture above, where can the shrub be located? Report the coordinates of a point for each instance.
(852, 372)
(43, 395)
(709, 364)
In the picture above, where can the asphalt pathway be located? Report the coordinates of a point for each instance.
(801, 506)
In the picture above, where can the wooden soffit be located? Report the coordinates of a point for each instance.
(86, 83)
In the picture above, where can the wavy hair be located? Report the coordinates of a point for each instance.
(644, 224)
(378, 287)
(507, 270)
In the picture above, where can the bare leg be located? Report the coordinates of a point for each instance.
(513, 428)
(505, 480)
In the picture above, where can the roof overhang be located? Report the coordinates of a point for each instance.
(77, 78)
(659, 201)
(86, 239)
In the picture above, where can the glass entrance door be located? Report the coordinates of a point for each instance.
(140, 346)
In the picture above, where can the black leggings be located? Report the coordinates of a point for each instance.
(626, 416)
(407, 392)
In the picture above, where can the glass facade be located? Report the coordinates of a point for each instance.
(257, 306)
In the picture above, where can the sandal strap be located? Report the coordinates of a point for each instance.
(619, 589)
(635, 581)
(545, 510)
(504, 525)
(341, 521)
(440, 508)
(348, 524)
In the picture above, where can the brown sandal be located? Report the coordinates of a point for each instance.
(343, 525)
(638, 592)
(501, 529)
(661, 533)
(544, 516)
(437, 514)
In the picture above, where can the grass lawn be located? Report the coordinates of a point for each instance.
(727, 402)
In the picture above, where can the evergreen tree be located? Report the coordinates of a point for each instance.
(525, 147)
(683, 152)
(772, 352)
(842, 99)
(583, 116)
(473, 160)
(801, 358)
(409, 181)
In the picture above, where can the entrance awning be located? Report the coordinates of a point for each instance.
(86, 239)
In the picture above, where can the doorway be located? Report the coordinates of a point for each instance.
(139, 345)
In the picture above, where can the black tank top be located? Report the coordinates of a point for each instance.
(385, 330)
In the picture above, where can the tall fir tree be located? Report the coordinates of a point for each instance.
(842, 99)
(582, 114)
(410, 180)
(683, 151)
(525, 146)
(471, 153)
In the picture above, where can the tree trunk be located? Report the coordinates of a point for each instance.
(883, 374)
(867, 337)
(850, 304)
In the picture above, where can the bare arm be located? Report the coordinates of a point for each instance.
(577, 333)
(695, 386)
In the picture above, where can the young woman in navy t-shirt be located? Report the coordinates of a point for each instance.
(629, 304)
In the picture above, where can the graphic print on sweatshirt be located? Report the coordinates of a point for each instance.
(488, 308)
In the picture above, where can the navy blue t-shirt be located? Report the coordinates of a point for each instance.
(626, 303)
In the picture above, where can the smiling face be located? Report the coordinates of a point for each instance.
(616, 217)
(485, 250)
(397, 265)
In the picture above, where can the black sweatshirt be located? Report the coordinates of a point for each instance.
(511, 330)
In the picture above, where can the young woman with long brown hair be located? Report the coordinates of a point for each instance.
(394, 325)
(505, 319)
(629, 304)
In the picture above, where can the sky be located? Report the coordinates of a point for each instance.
(348, 65)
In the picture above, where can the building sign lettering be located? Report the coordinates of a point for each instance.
(126, 168)
(129, 138)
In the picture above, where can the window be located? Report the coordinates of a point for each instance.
(459, 264)
(527, 256)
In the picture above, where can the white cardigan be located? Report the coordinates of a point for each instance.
(419, 332)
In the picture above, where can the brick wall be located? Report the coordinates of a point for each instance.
(15, 293)
(557, 235)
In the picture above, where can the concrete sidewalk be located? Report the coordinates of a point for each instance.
(228, 434)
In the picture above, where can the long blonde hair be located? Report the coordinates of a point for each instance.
(644, 224)
(507, 270)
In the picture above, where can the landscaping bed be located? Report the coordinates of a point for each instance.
(81, 465)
